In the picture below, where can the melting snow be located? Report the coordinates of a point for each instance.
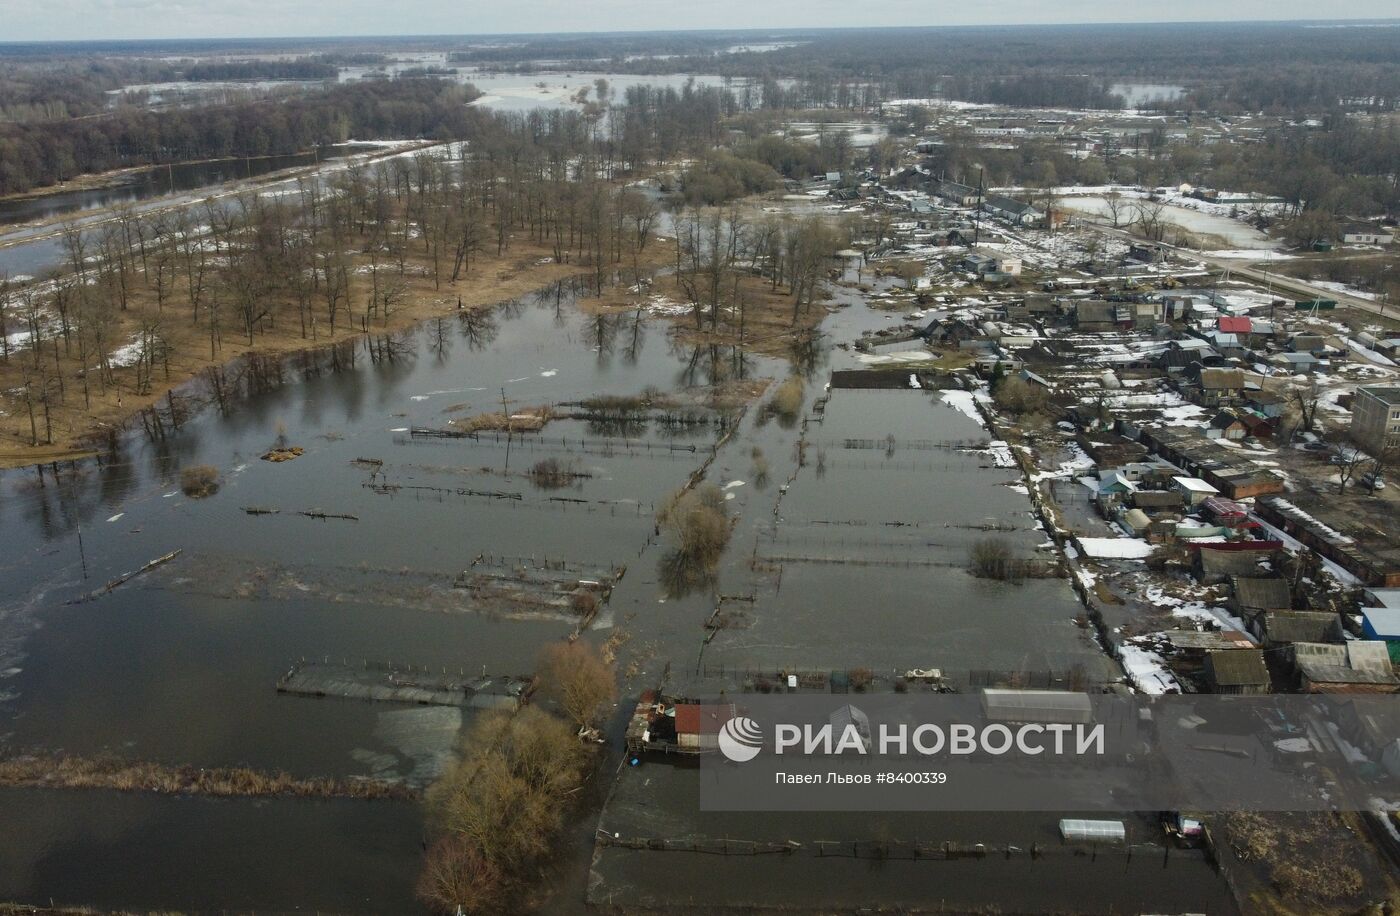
(1116, 548)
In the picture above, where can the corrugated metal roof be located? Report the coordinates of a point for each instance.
(1236, 667)
(1383, 622)
(697, 719)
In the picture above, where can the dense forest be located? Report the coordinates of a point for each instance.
(37, 154)
(1280, 67)
(300, 69)
(63, 87)
(1346, 167)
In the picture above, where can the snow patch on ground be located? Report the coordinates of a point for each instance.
(1146, 671)
(963, 403)
(1116, 548)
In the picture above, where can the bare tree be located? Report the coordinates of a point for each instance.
(1347, 459)
(575, 675)
(1302, 401)
(1384, 459)
(1115, 206)
(1149, 219)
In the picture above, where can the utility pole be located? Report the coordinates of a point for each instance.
(977, 216)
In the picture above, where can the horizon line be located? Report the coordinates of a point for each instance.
(1388, 22)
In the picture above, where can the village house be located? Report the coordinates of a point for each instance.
(1279, 628)
(955, 193)
(1227, 425)
(1236, 671)
(1383, 623)
(1193, 490)
(1357, 666)
(1296, 363)
(1182, 353)
(1213, 387)
(1306, 343)
(1012, 210)
(1265, 403)
(1252, 596)
(1147, 252)
(1367, 234)
(949, 332)
(983, 262)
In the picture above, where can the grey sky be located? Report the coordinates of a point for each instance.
(25, 20)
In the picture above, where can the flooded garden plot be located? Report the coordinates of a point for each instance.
(659, 850)
(372, 547)
(139, 852)
(898, 490)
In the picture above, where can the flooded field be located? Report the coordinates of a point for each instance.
(127, 851)
(425, 547)
(179, 666)
(896, 489)
(957, 861)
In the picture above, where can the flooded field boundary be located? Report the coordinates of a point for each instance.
(1046, 512)
(51, 771)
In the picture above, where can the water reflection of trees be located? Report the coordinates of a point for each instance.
(396, 347)
(679, 575)
(636, 336)
(600, 333)
(478, 328)
(710, 364)
(439, 341)
(808, 352)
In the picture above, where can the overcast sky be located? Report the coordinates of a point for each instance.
(34, 20)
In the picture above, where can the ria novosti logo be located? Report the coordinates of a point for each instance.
(740, 739)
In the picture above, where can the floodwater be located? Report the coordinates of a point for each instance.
(156, 182)
(196, 854)
(32, 248)
(179, 665)
(867, 859)
(1234, 232)
(30, 245)
(896, 491)
(1135, 94)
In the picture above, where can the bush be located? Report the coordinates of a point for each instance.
(990, 558)
(698, 523)
(498, 812)
(787, 399)
(552, 474)
(576, 677)
(199, 481)
(1019, 397)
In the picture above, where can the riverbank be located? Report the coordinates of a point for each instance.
(28, 231)
(74, 422)
(96, 181)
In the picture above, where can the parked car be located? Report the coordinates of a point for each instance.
(1373, 482)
